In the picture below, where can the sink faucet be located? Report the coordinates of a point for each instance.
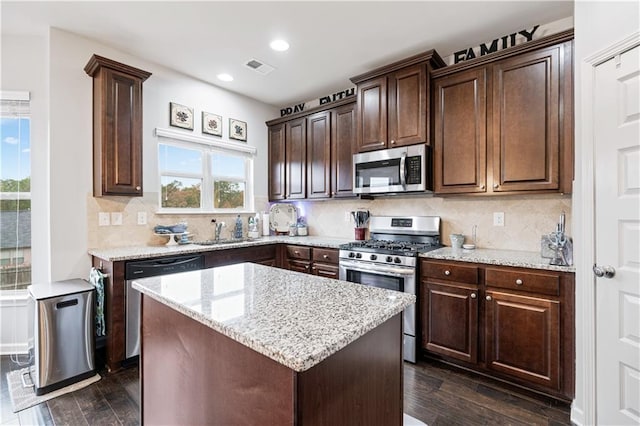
(218, 228)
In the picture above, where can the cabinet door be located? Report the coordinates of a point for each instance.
(325, 270)
(523, 337)
(526, 125)
(276, 162)
(407, 119)
(343, 138)
(296, 158)
(460, 136)
(299, 265)
(121, 134)
(450, 321)
(319, 155)
(372, 114)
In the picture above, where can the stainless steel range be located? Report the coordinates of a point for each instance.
(390, 260)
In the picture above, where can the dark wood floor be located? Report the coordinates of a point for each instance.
(435, 394)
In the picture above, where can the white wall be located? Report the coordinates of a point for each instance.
(71, 138)
(597, 25)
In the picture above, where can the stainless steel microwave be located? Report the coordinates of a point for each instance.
(393, 170)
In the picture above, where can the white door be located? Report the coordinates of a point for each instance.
(617, 238)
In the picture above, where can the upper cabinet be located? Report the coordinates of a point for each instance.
(117, 127)
(310, 155)
(393, 103)
(504, 123)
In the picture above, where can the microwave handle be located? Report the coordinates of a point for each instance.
(403, 170)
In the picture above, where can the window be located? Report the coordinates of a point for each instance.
(201, 177)
(15, 191)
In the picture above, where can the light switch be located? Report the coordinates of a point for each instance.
(103, 219)
(116, 218)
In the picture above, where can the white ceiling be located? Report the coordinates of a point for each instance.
(330, 41)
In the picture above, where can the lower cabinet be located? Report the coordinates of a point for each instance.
(265, 255)
(312, 260)
(514, 324)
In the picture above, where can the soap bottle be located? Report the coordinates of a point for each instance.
(238, 230)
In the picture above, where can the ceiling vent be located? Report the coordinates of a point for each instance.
(259, 66)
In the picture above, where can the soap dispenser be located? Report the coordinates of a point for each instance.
(238, 230)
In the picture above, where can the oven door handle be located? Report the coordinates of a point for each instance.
(397, 272)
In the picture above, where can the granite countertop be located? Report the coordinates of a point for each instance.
(521, 259)
(147, 252)
(295, 319)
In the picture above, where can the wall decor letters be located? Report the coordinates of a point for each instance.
(503, 42)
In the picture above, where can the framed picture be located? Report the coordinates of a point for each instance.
(211, 124)
(237, 130)
(181, 116)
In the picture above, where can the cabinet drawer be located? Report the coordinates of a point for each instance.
(325, 255)
(543, 283)
(299, 252)
(450, 272)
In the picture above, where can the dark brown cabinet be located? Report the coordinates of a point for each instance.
(319, 155)
(296, 159)
(515, 324)
(317, 261)
(343, 137)
(449, 301)
(460, 135)
(310, 156)
(503, 122)
(117, 127)
(393, 103)
(277, 152)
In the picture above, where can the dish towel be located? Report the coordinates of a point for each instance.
(96, 278)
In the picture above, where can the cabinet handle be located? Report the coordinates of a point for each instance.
(488, 298)
(333, 193)
(306, 267)
(296, 252)
(324, 256)
(447, 273)
(393, 142)
(481, 186)
(473, 295)
(496, 186)
(137, 188)
(518, 281)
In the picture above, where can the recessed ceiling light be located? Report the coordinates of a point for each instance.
(279, 45)
(224, 77)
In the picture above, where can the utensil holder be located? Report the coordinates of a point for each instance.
(360, 233)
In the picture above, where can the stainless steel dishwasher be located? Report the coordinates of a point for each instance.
(144, 269)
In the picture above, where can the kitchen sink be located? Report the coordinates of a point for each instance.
(220, 242)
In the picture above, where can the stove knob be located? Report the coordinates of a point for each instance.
(358, 255)
(389, 259)
(352, 254)
(373, 257)
(397, 260)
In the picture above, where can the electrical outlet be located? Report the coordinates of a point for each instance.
(103, 219)
(498, 219)
(142, 218)
(347, 217)
(116, 218)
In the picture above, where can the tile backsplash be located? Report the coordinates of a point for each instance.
(526, 218)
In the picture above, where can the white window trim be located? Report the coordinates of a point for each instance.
(178, 139)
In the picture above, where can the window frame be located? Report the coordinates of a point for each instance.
(206, 149)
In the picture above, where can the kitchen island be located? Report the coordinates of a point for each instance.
(250, 344)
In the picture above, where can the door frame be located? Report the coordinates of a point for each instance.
(583, 409)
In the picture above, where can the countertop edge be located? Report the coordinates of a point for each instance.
(149, 252)
(498, 257)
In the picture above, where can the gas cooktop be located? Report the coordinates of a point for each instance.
(404, 248)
